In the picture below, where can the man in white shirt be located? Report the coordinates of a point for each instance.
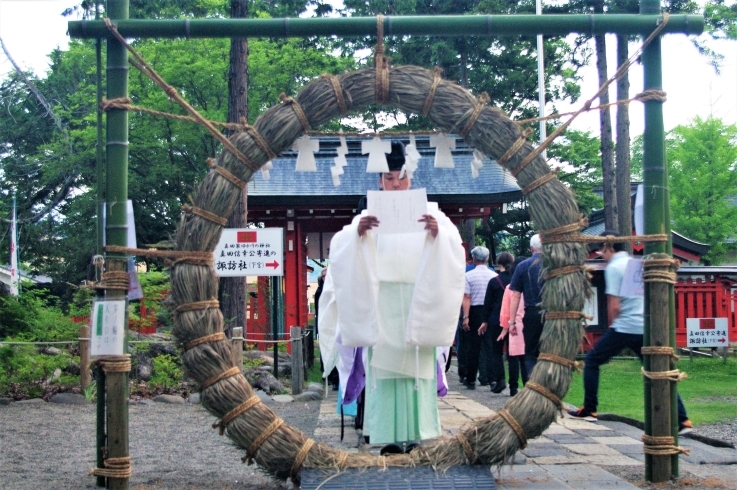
(476, 281)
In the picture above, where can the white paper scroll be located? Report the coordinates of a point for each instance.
(443, 144)
(265, 170)
(377, 151)
(476, 163)
(411, 157)
(340, 161)
(306, 156)
(398, 211)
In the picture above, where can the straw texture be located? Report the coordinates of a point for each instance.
(492, 441)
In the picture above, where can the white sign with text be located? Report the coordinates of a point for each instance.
(250, 252)
(707, 332)
(108, 328)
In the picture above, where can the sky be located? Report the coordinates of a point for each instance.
(693, 88)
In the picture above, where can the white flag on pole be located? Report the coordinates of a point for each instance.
(14, 272)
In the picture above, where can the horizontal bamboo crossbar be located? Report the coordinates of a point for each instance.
(435, 25)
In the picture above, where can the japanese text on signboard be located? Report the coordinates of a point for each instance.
(249, 253)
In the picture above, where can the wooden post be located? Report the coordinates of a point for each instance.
(84, 357)
(101, 438)
(660, 391)
(237, 344)
(298, 375)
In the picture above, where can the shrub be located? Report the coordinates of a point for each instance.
(167, 373)
(23, 371)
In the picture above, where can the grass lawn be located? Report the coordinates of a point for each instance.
(709, 392)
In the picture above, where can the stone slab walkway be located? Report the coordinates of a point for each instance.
(571, 453)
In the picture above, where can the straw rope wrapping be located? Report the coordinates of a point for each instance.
(119, 468)
(118, 280)
(115, 364)
(660, 351)
(674, 375)
(662, 446)
(551, 206)
(546, 393)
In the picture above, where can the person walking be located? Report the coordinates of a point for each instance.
(514, 334)
(527, 283)
(494, 342)
(626, 330)
(477, 279)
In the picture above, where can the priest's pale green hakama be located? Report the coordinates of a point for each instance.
(401, 402)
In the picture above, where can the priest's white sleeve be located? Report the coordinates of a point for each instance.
(327, 325)
(438, 291)
(353, 266)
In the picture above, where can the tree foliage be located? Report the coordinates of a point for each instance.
(53, 170)
(702, 160)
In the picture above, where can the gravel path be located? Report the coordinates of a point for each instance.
(52, 446)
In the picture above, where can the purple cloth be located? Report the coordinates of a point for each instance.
(356, 380)
(442, 388)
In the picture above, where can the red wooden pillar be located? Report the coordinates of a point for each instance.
(295, 278)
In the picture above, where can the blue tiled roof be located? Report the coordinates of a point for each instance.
(286, 186)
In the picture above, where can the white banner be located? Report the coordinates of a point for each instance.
(14, 272)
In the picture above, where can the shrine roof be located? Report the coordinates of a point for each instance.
(286, 187)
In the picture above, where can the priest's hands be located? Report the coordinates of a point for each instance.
(482, 329)
(366, 223)
(431, 224)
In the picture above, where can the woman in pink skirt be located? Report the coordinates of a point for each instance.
(516, 352)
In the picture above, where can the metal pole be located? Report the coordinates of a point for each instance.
(436, 25)
(541, 77)
(237, 346)
(275, 324)
(116, 228)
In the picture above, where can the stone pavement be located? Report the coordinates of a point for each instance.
(571, 453)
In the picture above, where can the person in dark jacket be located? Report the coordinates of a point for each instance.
(492, 305)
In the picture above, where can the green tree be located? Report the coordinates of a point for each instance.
(53, 169)
(702, 160)
(580, 159)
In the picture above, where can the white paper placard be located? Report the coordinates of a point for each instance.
(108, 328)
(707, 332)
(398, 211)
(632, 284)
(250, 252)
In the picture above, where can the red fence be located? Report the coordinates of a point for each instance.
(699, 298)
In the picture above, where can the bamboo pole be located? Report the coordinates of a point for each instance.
(657, 314)
(237, 345)
(101, 438)
(298, 376)
(116, 229)
(437, 25)
(84, 357)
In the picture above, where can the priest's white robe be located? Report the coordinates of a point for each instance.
(398, 294)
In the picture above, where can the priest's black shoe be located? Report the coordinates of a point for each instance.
(391, 449)
(499, 387)
(470, 386)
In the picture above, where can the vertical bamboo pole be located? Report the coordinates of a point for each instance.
(298, 376)
(116, 229)
(237, 345)
(101, 434)
(657, 315)
(84, 357)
